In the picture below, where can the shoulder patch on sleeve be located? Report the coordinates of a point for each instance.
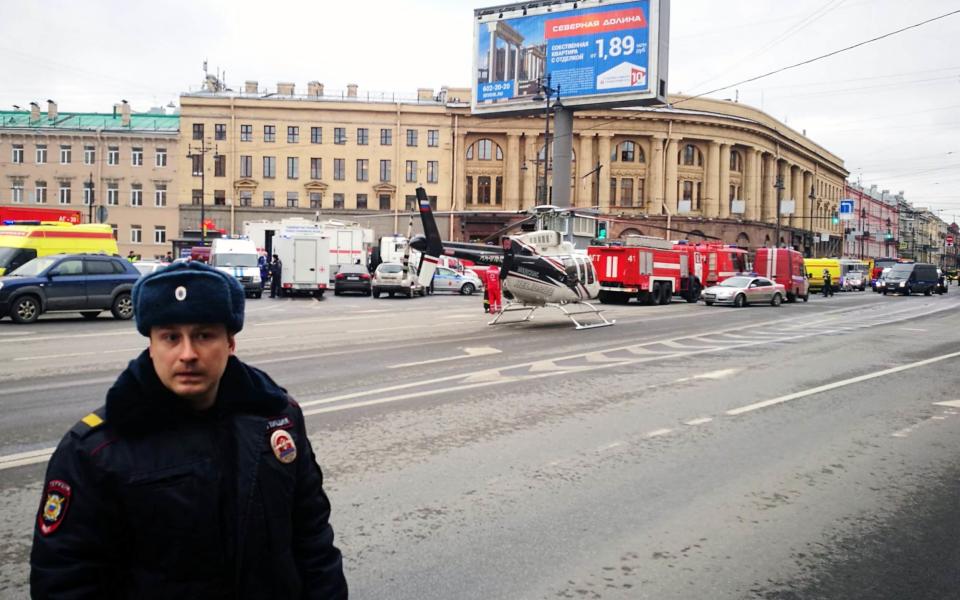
(89, 423)
(56, 500)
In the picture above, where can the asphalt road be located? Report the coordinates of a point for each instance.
(687, 452)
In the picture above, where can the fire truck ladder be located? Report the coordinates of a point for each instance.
(589, 309)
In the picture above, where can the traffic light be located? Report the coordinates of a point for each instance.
(601, 230)
(888, 235)
(835, 219)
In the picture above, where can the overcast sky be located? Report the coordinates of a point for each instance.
(889, 109)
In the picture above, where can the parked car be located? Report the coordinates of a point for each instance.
(911, 278)
(744, 289)
(390, 278)
(149, 266)
(448, 280)
(854, 280)
(84, 283)
(352, 278)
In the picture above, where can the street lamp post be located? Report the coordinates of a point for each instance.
(547, 91)
(812, 197)
(89, 186)
(191, 153)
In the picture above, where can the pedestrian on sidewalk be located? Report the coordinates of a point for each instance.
(276, 269)
(196, 479)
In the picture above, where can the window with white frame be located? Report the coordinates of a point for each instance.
(293, 134)
(339, 135)
(384, 170)
(66, 154)
(64, 193)
(161, 157)
(87, 195)
(363, 136)
(41, 154)
(40, 195)
(316, 168)
(113, 155)
(89, 155)
(386, 137)
(411, 137)
(293, 199)
(136, 195)
(16, 192)
(17, 154)
(433, 138)
(159, 234)
(113, 194)
(246, 133)
(411, 171)
(433, 171)
(269, 167)
(136, 234)
(136, 156)
(339, 169)
(160, 195)
(269, 133)
(316, 135)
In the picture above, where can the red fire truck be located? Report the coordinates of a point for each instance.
(710, 263)
(648, 269)
(784, 266)
(17, 213)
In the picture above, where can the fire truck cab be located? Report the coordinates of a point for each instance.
(786, 267)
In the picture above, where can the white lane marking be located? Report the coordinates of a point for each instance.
(386, 329)
(659, 432)
(55, 386)
(950, 403)
(700, 421)
(839, 384)
(25, 458)
(470, 353)
(74, 354)
(911, 329)
(903, 432)
(721, 374)
(45, 338)
(17, 333)
(610, 446)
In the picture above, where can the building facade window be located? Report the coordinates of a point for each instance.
(626, 191)
(89, 155)
(198, 131)
(385, 175)
(293, 167)
(339, 135)
(270, 133)
(268, 199)
(136, 195)
(196, 165)
(384, 201)
(386, 137)
(17, 154)
(338, 201)
(113, 155)
(736, 161)
(411, 171)
(361, 202)
(161, 157)
(87, 196)
(690, 192)
(66, 153)
(363, 136)
(316, 200)
(65, 193)
(41, 154)
(115, 230)
(196, 196)
(246, 133)
(220, 131)
(16, 192)
(691, 156)
(468, 193)
(411, 137)
(269, 167)
(246, 166)
(160, 195)
(159, 234)
(483, 189)
(40, 195)
(433, 138)
(293, 134)
(316, 168)
(339, 169)
(316, 135)
(433, 171)
(363, 169)
(113, 194)
(246, 198)
(219, 197)
(293, 199)
(136, 234)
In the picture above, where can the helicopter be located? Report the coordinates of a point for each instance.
(538, 269)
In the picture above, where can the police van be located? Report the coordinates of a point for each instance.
(238, 257)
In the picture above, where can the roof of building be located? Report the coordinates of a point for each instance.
(20, 119)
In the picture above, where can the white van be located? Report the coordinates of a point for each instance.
(306, 263)
(238, 257)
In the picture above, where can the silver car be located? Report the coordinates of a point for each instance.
(854, 280)
(745, 289)
(392, 279)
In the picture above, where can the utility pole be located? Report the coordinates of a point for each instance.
(778, 184)
(202, 152)
(89, 186)
(547, 91)
(813, 198)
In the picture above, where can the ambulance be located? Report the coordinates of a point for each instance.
(25, 241)
(786, 267)
(815, 267)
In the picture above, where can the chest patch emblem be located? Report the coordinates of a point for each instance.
(56, 500)
(281, 442)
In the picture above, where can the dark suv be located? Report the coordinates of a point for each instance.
(84, 283)
(911, 278)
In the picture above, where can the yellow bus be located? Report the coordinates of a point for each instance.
(22, 243)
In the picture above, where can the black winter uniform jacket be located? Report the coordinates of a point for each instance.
(148, 499)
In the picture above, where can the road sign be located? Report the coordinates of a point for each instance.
(950, 240)
(846, 210)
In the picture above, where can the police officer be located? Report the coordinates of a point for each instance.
(276, 268)
(827, 284)
(197, 479)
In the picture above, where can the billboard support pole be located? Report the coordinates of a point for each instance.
(562, 154)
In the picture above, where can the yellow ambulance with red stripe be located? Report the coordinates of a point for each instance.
(23, 242)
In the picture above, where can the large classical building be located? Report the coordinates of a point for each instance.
(699, 169)
(51, 159)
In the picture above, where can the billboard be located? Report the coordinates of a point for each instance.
(596, 53)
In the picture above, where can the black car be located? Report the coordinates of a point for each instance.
(352, 278)
(911, 278)
(84, 283)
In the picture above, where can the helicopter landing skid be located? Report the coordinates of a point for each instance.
(572, 315)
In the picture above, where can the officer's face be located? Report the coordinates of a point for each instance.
(190, 359)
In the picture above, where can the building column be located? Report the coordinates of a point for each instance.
(711, 205)
(511, 190)
(724, 196)
(768, 198)
(460, 178)
(806, 223)
(670, 177)
(655, 169)
(529, 190)
(785, 194)
(603, 149)
(796, 176)
(750, 174)
(585, 164)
